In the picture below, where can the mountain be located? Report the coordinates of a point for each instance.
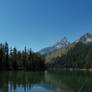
(57, 46)
(85, 38)
(77, 55)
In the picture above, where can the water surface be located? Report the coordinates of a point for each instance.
(39, 82)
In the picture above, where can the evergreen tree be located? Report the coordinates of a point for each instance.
(15, 59)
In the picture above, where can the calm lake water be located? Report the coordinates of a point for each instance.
(39, 82)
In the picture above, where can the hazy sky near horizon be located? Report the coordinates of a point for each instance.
(40, 23)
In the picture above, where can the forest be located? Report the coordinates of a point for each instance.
(13, 59)
(78, 57)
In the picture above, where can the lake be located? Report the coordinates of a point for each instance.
(64, 81)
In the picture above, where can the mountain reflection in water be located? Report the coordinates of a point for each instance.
(39, 82)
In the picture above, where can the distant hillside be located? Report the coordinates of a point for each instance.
(79, 56)
(58, 53)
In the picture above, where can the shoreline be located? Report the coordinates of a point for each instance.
(71, 69)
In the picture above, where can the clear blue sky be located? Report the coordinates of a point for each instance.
(40, 23)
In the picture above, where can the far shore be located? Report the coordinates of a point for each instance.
(71, 69)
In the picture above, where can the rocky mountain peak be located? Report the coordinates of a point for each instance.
(64, 39)
(58, 45)
(85, 38)
(62, 43)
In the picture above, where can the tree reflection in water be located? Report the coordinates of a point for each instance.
(39, 82)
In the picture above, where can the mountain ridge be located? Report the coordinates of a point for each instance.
(58, 45)
(64, 43)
